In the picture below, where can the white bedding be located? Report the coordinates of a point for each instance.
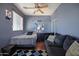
(23, 39)
(24, 36)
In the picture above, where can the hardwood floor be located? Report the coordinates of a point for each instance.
(40, 45)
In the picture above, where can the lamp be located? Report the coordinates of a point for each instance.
(8, 14)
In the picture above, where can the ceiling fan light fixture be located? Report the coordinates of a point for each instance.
(38, 6)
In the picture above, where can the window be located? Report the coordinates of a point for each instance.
(17, 22)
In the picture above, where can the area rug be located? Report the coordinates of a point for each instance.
(21, 52)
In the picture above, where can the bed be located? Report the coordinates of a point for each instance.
(24, 39)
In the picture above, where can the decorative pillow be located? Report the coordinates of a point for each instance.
(59, 39)
(73, 49)
(29, 33)
(51, 38)
(68, 41)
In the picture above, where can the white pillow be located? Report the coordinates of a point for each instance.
(51, 38)
(73, 50)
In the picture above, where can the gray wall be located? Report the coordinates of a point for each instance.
(67, 19)
(5, 25)
(29, 23)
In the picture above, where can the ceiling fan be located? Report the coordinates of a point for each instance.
(38, 7)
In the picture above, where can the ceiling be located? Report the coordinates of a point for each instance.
(47, 11)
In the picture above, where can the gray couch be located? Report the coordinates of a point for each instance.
(60, 45)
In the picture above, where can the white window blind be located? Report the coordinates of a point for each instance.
(17, 22)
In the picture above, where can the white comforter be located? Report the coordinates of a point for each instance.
(23, 39)
(24, 36)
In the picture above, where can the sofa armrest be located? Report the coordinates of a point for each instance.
(54, 50)
(57, 51)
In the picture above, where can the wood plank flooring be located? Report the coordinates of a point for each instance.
(40, 45)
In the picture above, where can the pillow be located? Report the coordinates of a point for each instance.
(51, 38)
(59, 39)
(29, 33)
(68, 41)
(73, 49)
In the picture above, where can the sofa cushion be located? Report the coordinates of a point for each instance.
(56, 51)
(68, 41)
(73, 49)
(46, 35)
(51, 39)
(59, 39)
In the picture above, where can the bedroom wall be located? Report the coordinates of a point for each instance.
(6, 26)
(29, 23)
(67, 19)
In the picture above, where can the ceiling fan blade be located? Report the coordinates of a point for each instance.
(38, 5)
(40, 10)
(28, 7)
(35, 11)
